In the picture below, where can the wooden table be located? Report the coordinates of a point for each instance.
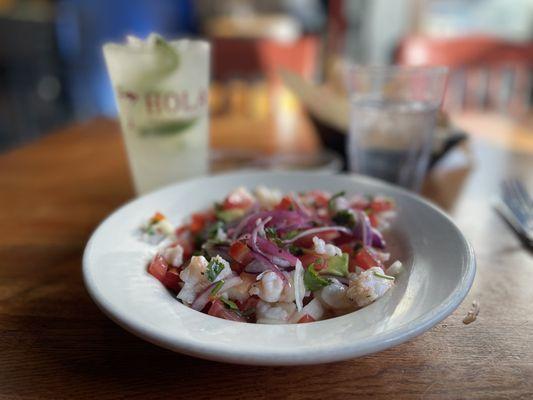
(55, 343)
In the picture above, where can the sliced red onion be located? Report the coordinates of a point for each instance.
(377, 239)
(213, 250)
(279, 218)
(299, 286)
(256, 267)
(203, 298)
(365, 228)
(258, 254)
(366, 233)
(313, 231)
(278, 256)
(283, 229)
(299, 205)
(341, 279)
(229, 282)
(252, 241)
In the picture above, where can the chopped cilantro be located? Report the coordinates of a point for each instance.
(390, 278)
(214, 268)
(270, 232)
(229, 304)
(291, 234)
(313, 281)
(217, 287)
(199, 240)
(295, 250)
(213, 229)
(344, 218)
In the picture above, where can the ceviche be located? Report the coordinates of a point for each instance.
(270, 258)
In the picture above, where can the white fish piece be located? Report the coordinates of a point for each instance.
(268, 288)
(368, 286)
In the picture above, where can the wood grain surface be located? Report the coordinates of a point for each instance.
(55, 343)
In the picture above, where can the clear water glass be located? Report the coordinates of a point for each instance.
(393, 113)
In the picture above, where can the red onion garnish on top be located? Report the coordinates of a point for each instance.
(313, 231)
(280, 218)
(258, 254)
(277, 255)
(299, 205)
(364, 228)
(203, 298)
(377, 239)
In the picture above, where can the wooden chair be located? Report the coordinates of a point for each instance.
(485, 73)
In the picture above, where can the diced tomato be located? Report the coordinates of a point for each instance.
(381, 204)
(327, 236)
(250, 303)
(306, 318)
(237, 266)
(158, 267)
(171, 280)
(373, 220)
(198, 222)
(366, 260)
(218, 309)
(180, 230)
(285, 204)
(347, 247)
(352, 264)
(310, 258)
(237, 199)
(360, 203)
(241, 253)
(320, 198)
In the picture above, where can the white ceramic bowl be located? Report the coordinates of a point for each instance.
(440, 268)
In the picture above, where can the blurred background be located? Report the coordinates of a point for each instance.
(270, 58)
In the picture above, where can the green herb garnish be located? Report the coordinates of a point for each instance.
(270, 232)
(229, 304)
(295, 250)
(198, 240)
(344, 218)
(331, 205)
(390, 278)
(313, 281)
(217, 287)
(214, 268)
(213, 229)
(291, 234)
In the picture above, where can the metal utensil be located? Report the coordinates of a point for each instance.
(516, 206)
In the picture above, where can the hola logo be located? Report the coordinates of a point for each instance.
(164, 102)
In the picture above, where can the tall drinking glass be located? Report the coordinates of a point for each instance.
(393, 113)
(161, 90)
